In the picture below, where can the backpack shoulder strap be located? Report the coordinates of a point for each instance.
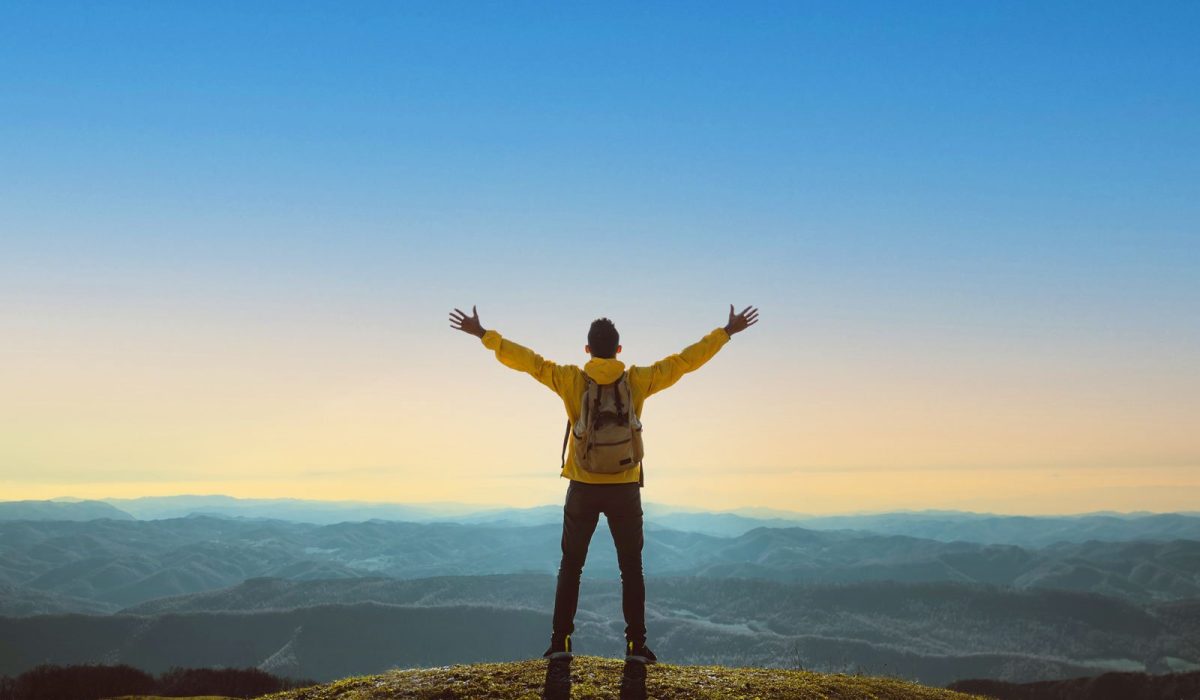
(583, 411)
(617, 394)
(629, 393)
(597, 392)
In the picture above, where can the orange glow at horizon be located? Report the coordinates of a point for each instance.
(772, 420)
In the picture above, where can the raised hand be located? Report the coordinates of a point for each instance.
(740, 322)
(467, 324)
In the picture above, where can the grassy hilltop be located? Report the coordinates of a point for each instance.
(595, 678)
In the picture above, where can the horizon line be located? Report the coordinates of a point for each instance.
(695, 509)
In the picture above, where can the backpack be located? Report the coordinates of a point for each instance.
(608, 434)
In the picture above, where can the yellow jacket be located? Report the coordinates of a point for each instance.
(568, 382)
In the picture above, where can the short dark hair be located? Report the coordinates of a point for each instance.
(603, 338)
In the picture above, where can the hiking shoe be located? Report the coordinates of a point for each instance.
(560, 648)
(639, 653)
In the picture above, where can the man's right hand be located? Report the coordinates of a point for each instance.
(467, 324)
(740, 322)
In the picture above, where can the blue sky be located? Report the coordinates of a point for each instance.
(961, 182)
(933, 131)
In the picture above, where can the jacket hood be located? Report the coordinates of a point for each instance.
(604, 370)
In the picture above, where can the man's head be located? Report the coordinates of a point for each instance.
(603, 339)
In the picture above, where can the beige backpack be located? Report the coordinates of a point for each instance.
(608, 434)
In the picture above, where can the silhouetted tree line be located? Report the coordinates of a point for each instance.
(94, 681)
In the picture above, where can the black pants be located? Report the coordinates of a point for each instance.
(622, 507)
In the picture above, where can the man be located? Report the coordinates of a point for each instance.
(590, 493)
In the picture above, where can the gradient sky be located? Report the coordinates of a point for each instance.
(231, 233)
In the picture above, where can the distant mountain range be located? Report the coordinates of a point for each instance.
(21, 601)
(122, 563)
(60, 510)
(322, 642)
(934, 633)
(944, 526)
(309, 588)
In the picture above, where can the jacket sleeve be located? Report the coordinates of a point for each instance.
(521, 358)
(668, 370)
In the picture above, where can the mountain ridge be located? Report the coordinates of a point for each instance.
(123, 563)
(936, 633)
(941, 525)
(61, 510)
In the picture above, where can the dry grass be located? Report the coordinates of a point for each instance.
(594, 678)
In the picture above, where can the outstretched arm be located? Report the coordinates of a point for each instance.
(668, 370)
(512, 354)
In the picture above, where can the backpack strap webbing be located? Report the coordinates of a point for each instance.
(617, 391)
(599, 393)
